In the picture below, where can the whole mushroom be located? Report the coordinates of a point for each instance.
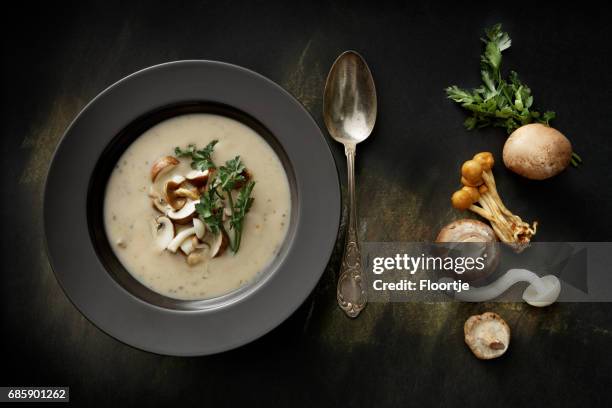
(472, 238)
(487, 335)
(537, 151)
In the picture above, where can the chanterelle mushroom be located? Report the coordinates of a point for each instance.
(479, 187)
(487, 335)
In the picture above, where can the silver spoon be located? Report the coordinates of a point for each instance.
(349, 111)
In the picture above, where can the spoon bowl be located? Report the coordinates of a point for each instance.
(349, 101)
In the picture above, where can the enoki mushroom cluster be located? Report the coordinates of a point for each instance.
(479, 195)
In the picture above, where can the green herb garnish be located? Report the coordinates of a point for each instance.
(230, 175)
(240, 209)
(222, 182)
(200, 159)
(210, 211)
(499, 102)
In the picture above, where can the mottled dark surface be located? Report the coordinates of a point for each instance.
(56, 59)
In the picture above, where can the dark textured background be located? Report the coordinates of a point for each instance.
(56, 59)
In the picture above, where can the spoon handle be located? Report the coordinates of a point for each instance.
(351, 293)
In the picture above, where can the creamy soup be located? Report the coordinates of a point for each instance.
(129, 213)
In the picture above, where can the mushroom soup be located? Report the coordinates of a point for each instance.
(204, 219)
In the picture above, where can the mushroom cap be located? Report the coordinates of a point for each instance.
(466, 230)
(478, 239)
(487, 335)
(471, 170)
(485, 159)
(468, 183)
(461, 200)
(162, 165)
(537, 151)
(552, 289)
(473, 192)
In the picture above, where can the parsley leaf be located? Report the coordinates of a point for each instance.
(230, 175)
(200, 159)
(210, 211)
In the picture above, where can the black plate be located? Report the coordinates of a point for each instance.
(81, 257)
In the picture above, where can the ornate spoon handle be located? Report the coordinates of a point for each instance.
(351, 293)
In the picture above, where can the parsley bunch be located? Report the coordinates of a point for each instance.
(499, 102)
(229, 177)
(221, 184)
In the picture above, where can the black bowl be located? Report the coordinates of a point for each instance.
(79, 251)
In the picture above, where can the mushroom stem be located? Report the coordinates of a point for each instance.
(542, 291)
(482, 212)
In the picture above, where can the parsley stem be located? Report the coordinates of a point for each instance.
(235, 243)
(576, 159)
(231, 200)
